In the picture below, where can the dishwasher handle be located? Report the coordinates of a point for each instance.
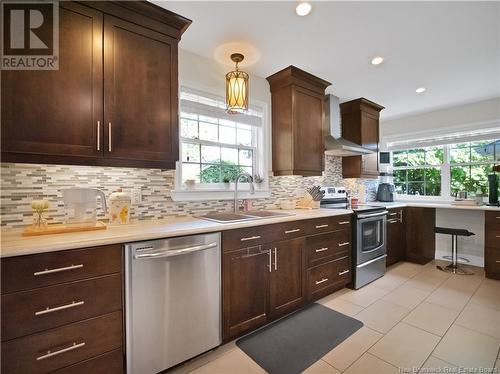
(175, 252)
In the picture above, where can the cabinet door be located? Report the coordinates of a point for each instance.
(394, 241)
(369, 139)
(52, 115)
(308, 141)
(420, 236)
(245, 290)
(140, 96)
(287, 277)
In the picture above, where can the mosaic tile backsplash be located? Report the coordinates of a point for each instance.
(21, 183)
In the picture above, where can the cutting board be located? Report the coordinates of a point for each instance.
(61, 229)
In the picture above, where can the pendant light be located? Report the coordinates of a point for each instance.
(236, 88)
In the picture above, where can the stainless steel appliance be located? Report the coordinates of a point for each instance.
(369, 231)
(172, 301)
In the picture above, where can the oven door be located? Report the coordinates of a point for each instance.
(370, 236)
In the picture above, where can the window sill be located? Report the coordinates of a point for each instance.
(216, 194)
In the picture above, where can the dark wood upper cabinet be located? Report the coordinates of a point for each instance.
(140, 95)
(114, 99)
(52, 115)
(297, 122)
(360, 124)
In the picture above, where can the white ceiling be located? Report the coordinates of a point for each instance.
(451, 48)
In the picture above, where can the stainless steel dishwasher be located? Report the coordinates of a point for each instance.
(172, 301)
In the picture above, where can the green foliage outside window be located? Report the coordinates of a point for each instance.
(221, 172)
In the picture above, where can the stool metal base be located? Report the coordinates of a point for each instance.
(455, 269)
(462, 260)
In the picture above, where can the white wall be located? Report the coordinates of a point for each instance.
(481, 114)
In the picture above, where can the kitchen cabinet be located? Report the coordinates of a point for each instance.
(272, 270)
(52, 115)
(297, 122)
(63, 311)
(360, 124)
(492, 244)
(287, 277)
(114, 99)
(420, 236)
(245, 290)
(396, 236)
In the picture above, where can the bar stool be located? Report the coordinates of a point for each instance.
(455, 233)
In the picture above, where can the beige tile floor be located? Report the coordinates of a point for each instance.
(415, 318)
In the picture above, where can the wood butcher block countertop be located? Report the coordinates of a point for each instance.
(13, 244)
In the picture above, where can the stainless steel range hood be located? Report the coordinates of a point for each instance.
(334, 143)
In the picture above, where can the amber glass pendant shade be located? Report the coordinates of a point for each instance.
(236, 88)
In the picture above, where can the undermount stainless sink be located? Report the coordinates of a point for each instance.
(244, 216)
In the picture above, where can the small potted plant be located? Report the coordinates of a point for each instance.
(227, 181)
(258, 180)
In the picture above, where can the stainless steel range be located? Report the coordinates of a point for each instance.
(369, 232)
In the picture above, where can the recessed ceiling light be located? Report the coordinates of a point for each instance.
(420, 90)
(303, 9)
(377, 60)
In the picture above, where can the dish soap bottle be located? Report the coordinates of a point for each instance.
(119, 209)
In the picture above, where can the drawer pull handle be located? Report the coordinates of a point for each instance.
(291, 231)
(57, 308)
(58, 270)
(72, 347)
(321, 249)
(344, 244)
(250, 238)
(344, 222)
(392, 214)
(498, 236)
(497, 261)
(321, 226)
(344, 272)
(497, 217)
(322, 281)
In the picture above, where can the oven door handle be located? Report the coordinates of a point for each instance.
(371, 261)
(373, 214)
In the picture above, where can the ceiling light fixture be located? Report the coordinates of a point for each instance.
(420, 90)
(236, 88)
(377, 60)
(303, 9)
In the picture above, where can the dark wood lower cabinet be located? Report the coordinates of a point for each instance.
(287, 277)
(269, 280)
(420, 236)
(63, 311)
(492, 244)
(396, 235)
(245, 290)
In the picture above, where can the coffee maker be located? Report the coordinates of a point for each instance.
(493, 187)
(386, 189)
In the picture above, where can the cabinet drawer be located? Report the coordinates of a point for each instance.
(492, 262)
(27, 312)
(492, 237)
(63, 346)
(319, 225)
(492, 217)
(33, 271)
(108, 363)
(248, 237)
(328, 276)
(325, 247)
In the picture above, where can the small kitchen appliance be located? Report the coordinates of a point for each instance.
(369, 233)
(80, 206)
(386, 189)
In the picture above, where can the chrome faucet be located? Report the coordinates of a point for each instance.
(252, 189)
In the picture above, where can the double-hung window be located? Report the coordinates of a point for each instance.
(443, 170)
(216, 146)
